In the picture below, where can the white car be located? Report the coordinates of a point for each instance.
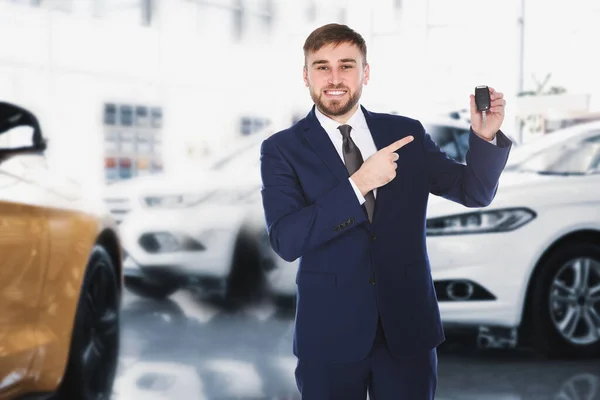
(527, 267)
(209, 231)
(205, 230)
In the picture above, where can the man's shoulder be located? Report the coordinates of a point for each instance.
(394, 118)
(398, 122)
(286, 135)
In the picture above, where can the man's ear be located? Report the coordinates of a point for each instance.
(367, 74)
(305, 76)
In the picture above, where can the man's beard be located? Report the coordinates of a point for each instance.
(335, 107)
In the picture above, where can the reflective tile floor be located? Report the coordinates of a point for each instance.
(198, 349)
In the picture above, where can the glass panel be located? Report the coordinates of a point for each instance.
(569, 158)
(442, 135)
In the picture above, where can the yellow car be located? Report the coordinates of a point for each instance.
(60, 275)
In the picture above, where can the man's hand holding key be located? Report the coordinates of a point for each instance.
(494, 117)
(380, 168)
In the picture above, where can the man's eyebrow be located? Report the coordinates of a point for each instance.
(343, 60)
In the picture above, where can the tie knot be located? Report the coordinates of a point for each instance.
(345, 130)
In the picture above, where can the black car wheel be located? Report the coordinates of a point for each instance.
(565, 308)
(246, 282)
(94, 348)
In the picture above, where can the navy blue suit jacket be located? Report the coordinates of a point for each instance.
(352, 270)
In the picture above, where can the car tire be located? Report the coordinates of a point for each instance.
(94, 350)
(246, 282)
(147, 289)
(554, 332)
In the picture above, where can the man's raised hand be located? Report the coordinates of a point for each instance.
(380, 168)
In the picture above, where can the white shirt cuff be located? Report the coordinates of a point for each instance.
(359, 196)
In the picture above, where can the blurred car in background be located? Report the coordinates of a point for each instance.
(60, 274)
(527, 267)
(509, 269)
(203, 230)
(207, 229)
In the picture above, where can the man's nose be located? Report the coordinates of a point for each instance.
(335, 77)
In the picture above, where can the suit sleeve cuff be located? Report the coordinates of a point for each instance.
(500, 139)
(359, 196)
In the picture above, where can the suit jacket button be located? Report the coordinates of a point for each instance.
(373, 238)
(372, 280)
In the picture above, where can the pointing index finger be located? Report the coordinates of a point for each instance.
(400, 143)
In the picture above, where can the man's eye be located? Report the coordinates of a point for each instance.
(322, 68)
(347, 66)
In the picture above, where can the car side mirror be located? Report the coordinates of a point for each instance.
(20, 131)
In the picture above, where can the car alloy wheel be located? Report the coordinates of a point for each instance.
(563, 317)
(94, 349)
(574, 301)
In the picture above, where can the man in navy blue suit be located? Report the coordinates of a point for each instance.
(346, 190)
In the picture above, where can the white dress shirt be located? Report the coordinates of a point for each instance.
(360, 134)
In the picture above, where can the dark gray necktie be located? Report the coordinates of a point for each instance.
(353, 160)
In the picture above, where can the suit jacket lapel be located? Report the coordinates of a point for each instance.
(319, 140)
(383, 135)
(321, 144)
(378, 129)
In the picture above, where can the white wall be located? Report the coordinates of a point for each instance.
(65, 66)
(424, 57)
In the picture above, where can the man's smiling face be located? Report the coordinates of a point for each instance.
(334, 76)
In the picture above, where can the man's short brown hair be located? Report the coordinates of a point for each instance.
(334, 34)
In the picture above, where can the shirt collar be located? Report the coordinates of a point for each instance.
(357, 120)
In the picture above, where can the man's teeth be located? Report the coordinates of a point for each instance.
(336, 92)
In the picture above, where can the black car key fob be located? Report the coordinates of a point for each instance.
(482, 100)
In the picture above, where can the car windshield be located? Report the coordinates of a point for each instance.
(243, 157)
(568, 157)
(538, 145)
(452, 140)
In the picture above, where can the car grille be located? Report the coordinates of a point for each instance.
(118, 207)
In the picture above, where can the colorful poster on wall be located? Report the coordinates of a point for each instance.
(132, 141)
(111, 169)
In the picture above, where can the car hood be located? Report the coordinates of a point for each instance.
(166, 184)
(526, 189)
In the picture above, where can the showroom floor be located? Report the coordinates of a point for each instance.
(190, 348)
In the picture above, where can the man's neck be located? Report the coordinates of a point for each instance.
(341, 119)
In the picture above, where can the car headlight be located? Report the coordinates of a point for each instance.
(173, 200)
(503, 220)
